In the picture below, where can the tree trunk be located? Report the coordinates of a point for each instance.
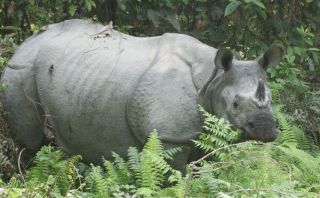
(106, 10)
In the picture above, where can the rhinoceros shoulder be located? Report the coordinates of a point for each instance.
(165, 99)
(197, 55)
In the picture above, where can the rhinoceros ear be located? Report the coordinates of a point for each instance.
(272, 56)
(223, 59)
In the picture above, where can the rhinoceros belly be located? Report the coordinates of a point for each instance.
(84, 84)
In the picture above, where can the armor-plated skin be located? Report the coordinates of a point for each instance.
(106, 93)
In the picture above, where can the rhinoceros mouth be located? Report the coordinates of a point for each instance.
(261, 127)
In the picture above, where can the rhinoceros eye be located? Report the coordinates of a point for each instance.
(235, 104)
(236, 101)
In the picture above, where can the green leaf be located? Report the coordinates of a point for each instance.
(186, 2)
(72, 10)
(257, 3)
(315, 57)
(169, 4)
(290, 51)
(298, 50)
(122, 4)
(262, 13)
(231, 7)
(311, 65)
(291, 59)
(314, 49)
(309, 42)
(173, 20)
(90, 4)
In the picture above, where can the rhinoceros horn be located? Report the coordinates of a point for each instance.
(261, 92)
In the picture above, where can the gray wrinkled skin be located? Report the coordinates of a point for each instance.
(103, 94)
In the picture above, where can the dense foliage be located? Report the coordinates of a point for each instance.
(287, 167)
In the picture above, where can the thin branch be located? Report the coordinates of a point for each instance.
(188, 180)
(214, 151)
(19, 162)
(35, 103)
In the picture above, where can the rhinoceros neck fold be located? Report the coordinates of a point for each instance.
(205, 93)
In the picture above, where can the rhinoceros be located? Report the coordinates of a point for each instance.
(101, 90)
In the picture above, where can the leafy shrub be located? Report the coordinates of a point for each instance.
(285, 167)
(52, 170)
(144, 174)
(298, 99)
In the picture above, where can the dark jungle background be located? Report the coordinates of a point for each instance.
(288, 167)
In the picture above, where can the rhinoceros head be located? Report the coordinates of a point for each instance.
(237, 91)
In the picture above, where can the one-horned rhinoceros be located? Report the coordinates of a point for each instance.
(102, 91)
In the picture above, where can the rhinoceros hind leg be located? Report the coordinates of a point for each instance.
(22, 107)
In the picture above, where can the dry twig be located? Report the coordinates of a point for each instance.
(19, 162)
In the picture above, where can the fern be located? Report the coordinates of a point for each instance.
(217, 134)
(50, 168)
(152, 167)
(144, 173)
(287, 135)
(153, 144)
(251, 168)
(178, 189)
(97, 182)
(303, 161)
(119, 177)
(291, 135)
(169, 153)
(134, 160)
(285, 168)
(149, 167)
(121, 169)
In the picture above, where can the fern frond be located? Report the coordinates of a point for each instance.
(149, 166)
(134, 159)
(97, 182)
(153, 144)
(287, 135)
(308, 164)
(150, 175)
(66, 174)
(291, 135)
(112, 174)
(46, 162)
(217, 133)
(169, 153)
(51, 169)
(122, 169)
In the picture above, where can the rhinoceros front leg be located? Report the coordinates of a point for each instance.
(22, 106)
(165, 99)
(181, 159)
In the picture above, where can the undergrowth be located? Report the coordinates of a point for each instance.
(8, 150)
(287, 167)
